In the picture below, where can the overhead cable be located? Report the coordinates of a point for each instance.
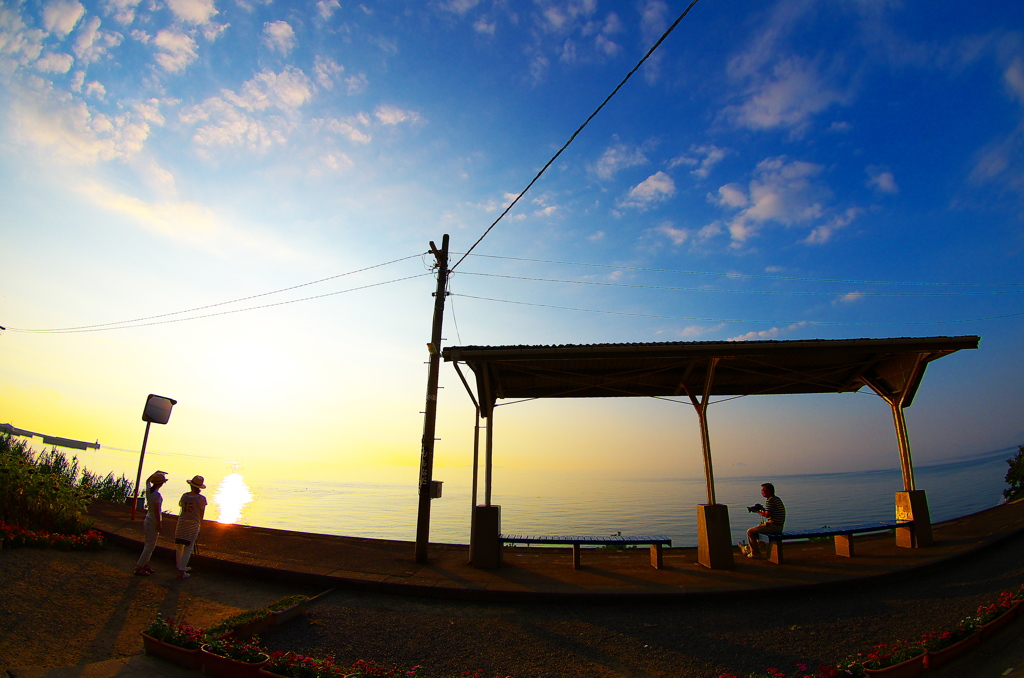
(95, 328)
(112, 325)
(742, 320)
(708, 289)
(755, 275)
(578, 130)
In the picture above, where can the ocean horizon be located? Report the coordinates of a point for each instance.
(560, 502)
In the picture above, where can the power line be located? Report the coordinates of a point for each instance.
(742, 320)
(95, 328)
(705, 289)
(753, 275)
(113, 325)
(578, 130)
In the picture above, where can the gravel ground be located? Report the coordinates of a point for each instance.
(683, 639)
(64, 609)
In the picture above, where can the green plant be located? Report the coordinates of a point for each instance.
(286, 602)
(1015, 476)
(47, 491)
(933, 642)
(248, 652)
(884, 655)
(175, 633)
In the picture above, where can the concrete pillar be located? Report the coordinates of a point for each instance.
(714, 546)
(913, 506)
(484, 544)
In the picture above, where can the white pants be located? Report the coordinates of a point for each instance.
(184, 552)
(149, 529)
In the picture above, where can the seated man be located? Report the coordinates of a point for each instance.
(774, 514)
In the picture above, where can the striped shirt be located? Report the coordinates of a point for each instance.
(776, 510)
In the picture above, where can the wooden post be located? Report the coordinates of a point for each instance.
(430, 412)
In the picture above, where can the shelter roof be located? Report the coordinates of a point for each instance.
(675, 368)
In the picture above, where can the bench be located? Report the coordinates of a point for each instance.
(843, 536)
(656, 542)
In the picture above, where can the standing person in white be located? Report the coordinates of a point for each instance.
(151, 525)
(193, 508)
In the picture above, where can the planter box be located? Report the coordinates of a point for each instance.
(222, 667)
(287, 614)
(189, 659)
(933, 660)
(267, 673)
(255, 627)
(912, 668)
(990, 629)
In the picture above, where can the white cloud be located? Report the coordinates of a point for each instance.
(327, 8)
(348, 128)
(824, 232)
(848, 298)
(783, 192)
(678, 236)
(788, 97)
(703, 157)
(699, 330)
(484, 27)
(653, 22)
(96, 89)
(123, 11)
(650, 191)
(732, 195)
(392, 115)
(92, 44)
(326, 70)
(73, 134)
(764, 335)
(279, 36)
(192, 11)
(54, 63)
(881, 180)
(1013, 76)
(617, 157)
(176, 50)
(356, 84)
(61, 16)
(230, 118)
(459, 7)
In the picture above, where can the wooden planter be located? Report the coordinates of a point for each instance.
(990, 629)
(287, 614)
(222, 667)
(189, 659)
(933, 660)
(250, 629)
(912, 668)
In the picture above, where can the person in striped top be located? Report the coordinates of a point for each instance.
(773, 518)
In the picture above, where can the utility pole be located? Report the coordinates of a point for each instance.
(430, 413)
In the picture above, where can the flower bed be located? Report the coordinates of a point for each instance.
(14, 536)
(909, 658)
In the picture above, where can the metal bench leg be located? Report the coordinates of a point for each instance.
(656, 561)
(575, 556)
(775, 551)
(844, 545)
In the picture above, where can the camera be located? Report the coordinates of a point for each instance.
(756, 508)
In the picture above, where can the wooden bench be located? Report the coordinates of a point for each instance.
(656, 542)
(843, 536)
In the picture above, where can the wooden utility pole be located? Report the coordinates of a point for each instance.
(430, 413)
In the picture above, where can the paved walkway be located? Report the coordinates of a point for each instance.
(543, 573)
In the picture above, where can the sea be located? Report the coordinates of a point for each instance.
(559, 502)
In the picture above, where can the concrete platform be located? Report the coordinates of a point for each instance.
(536, 573)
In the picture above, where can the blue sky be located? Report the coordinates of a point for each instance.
(776, 170)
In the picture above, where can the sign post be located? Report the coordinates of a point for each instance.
(157, 411)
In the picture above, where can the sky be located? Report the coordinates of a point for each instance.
(230, 203)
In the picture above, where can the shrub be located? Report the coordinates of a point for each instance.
(47, 491)
(1015, 476)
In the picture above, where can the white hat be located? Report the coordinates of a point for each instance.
(197, 482)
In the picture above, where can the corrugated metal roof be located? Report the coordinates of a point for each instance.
(673, 368)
